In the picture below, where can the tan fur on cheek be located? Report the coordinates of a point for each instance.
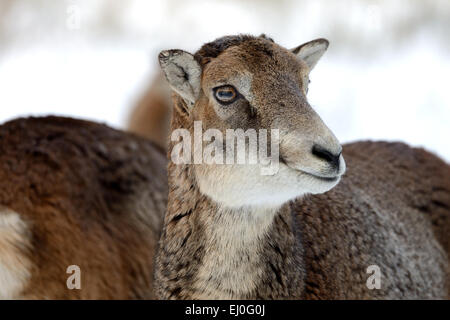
(14, 264)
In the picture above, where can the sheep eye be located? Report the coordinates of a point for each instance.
(225, 94)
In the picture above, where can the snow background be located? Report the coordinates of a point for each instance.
(385, 76)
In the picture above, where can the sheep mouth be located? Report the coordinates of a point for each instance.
(321, 178)
(326, 179)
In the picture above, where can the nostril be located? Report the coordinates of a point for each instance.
(326, 155)
(322, 153)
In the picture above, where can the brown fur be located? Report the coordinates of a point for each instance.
(391, 209)
(150, 118)
(91, 196)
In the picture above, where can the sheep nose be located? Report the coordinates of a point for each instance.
(326, 155)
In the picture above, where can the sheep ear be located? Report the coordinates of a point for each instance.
(183, 73)
(311, 51)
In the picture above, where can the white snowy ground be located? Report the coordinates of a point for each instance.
(393, 92)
